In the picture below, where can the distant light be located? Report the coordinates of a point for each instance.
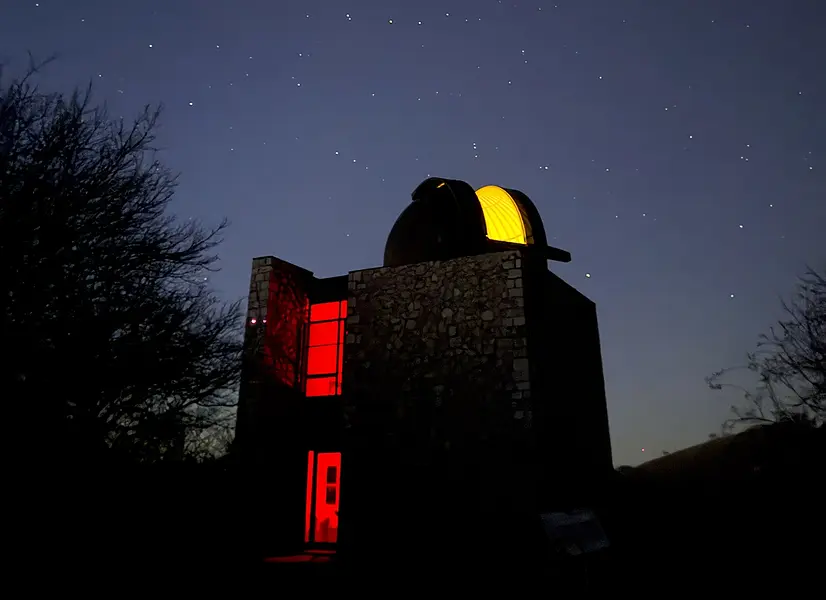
(263, 320)
(643, 450)
(588, 275)
(253, 320)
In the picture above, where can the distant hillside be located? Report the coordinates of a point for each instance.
(709, 516)
(757, 450)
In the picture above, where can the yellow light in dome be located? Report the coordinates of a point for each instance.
(502, 217)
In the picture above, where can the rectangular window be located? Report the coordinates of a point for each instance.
(325, 348)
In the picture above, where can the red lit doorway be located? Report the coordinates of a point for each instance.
(323, 495)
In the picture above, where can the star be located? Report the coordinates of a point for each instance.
(408, 107)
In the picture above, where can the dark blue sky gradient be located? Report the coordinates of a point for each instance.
(664, 127)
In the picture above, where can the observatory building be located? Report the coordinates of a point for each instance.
(455, 386)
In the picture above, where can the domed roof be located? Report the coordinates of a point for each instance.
(444, 221)
(447, 219)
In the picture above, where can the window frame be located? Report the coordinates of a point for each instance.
(325, 316)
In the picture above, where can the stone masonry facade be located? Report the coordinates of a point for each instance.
(275, 312)
(445, 345)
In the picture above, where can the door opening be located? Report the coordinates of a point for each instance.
(323, 496)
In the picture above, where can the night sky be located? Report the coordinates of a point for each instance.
(677, 148)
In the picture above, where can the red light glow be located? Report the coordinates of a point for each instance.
(326, 311)
(325, 349)
(323, 487)
(285, 560)
(321, 386)
(308, 516)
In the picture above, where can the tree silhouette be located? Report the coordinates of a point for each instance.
(109, 329)
(790, 363)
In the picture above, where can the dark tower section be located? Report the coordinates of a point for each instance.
(570, 410)
(276, 425)
(267, 442)
(473, 374)
(277, 312)
(450, 395)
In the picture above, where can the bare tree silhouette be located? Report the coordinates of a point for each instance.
(789, 362)
(108, 325)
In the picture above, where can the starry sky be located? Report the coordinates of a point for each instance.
(677, 149)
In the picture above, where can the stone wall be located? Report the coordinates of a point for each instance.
(277, 291)
(436, 352)
(276, 311)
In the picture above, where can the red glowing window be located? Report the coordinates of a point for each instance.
(322, 360)
(323, 497)
(321, 386)
(322, 334)
(325, 349)
(328, 311)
